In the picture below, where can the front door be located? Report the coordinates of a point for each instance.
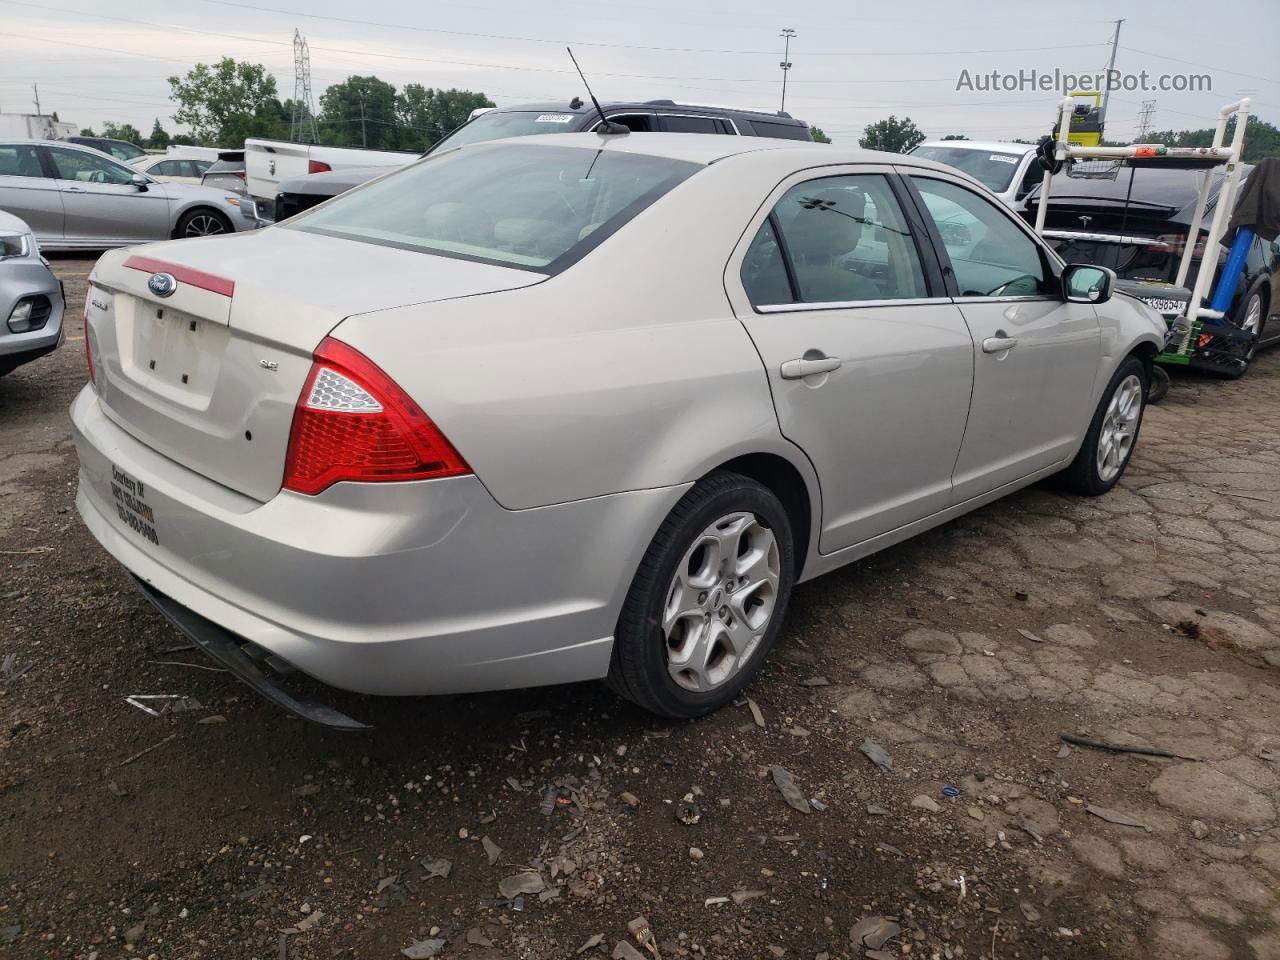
(1037, 355)
(100, 202)
(870, 364)
(27, 193)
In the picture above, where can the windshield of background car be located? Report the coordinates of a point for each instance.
(531, 207)
(500, 125)
(992, 167)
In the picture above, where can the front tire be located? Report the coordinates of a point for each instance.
(1251, 322)
(202, 223)
(1113, 432)
(707, 601)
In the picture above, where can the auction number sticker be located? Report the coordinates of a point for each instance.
(554, 118)
(131, 505)
(1002, 158)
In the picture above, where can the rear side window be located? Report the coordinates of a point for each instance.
(846, 240)
(532, 207)
(783, 131)
(694, 125)
(19, 160)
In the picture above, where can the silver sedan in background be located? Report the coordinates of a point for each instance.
(76, 198)
(30, 298)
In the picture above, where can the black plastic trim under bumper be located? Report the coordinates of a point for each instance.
(225, 647)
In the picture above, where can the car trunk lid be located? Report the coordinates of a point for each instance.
(209, 373)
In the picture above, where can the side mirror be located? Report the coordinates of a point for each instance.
(1085, 283)
(139, 181)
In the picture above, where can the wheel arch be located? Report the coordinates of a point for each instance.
(199, 206)
(790, 486)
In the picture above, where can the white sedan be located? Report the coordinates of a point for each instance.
(582, 406)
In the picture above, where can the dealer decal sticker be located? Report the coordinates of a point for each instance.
(131, 505)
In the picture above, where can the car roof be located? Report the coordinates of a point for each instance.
(652, 106)
(1004, 146)
(706, 148)
(67, 144)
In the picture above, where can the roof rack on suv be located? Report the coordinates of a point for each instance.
(716, 106)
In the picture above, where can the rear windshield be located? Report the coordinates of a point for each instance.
(223, 166)
(497, 125)
(518, 205)
(994, 168)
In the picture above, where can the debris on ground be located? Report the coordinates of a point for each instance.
(424, 949)
(786, 785)
(1115, 816)
(873, 932)
(756, 714)
(1123, 747)
(926, 802)
(1034, 638)
(439, 867)
(528, 882)
(593, 941)
(877, 755)
(491, 849)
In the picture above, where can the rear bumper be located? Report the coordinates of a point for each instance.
(405, 588)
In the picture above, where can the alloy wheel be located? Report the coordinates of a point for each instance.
(720, 601)
(1119, 428)
(204, 225)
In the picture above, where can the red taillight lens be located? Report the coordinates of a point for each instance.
(354, 423)
(318, 166)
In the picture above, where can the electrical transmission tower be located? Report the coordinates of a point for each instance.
(303, 123)
(1144, 118)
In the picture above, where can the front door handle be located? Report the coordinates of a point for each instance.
(999, 344)
(799, 369)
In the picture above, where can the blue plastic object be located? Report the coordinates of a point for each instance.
(1231, 270)
(951, 791)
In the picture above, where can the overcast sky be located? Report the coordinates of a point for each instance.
(97, 61)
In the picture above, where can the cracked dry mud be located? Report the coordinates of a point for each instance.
(1150, 616)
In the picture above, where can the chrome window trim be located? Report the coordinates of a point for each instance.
(1107, 238)
(849, 304)
(1031, 297)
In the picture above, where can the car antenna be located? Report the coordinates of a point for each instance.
(607, 126)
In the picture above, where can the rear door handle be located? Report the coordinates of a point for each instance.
(75, 189)
(799, 369)
(998, 344)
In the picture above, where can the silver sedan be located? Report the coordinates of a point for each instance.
(582, 406)
(77, 198)
(31, 300)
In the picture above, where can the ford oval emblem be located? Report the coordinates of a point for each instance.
(162, 284)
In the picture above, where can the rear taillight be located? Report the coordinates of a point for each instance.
(354, 423)
(318, 166)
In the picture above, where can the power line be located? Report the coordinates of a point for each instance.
(1165, 56)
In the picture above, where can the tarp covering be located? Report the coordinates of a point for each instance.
(1259, 203)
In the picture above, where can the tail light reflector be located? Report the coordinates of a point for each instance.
(318, 166)
(354, 423)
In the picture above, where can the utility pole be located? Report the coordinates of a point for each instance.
(787, 34)
(364, 137)
(36, 88)
(1106, 89)
(1144, 118)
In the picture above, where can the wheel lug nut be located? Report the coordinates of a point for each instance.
(702, 597)
(723, 611)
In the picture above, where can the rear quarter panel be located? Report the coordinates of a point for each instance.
(627, 371)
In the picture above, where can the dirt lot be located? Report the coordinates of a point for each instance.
(1149, 616)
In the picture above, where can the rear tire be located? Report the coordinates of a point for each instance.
(1159, 388)
(202, 223)
(1113, 432)
(707, 601)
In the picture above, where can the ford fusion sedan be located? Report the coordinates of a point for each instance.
(77, 198)
(30, 298)
(582, 406)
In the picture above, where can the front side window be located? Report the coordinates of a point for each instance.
(533, 207)
(19, 160)
(847, 240)
(990, 255)
(85, 167)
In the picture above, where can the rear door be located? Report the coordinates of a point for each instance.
(100, 202)
(870, 363)
(1037, 356)
(28, 192)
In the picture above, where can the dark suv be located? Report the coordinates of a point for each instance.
(122, 150)
(651, 116)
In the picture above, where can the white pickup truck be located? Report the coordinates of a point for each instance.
(270, 162)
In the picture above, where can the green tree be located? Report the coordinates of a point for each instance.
(159, 139)
(1261, 139)
(426, 115)
(955, 136)
(819, 135)
(227, 102)
(122, 131)
(892, 135)
(87, 132)
(360, 111)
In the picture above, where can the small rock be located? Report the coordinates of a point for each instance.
(527, 882)
(815, 682)
(742, 896)
(926, 802)
(625, 951)
(786, 785)
(630, 799)
(875, 810)
(777, 951)
(437, 868)
(1199, 829)
(1029, 911)
(491, 849)
(877, 755)
(976, 813)
(307, 790)
(593, 941)
(695, 853)
(873, 932)
(134, 934)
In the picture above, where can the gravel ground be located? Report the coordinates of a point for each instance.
(1149, 616)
